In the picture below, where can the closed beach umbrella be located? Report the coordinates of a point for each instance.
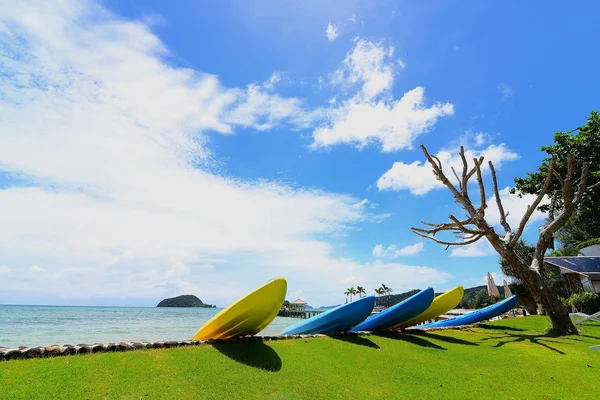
(507, 292)
(492, 288)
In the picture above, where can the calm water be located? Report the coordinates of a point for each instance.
(46, 325)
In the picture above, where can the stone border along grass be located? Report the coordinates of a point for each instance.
(24, 352)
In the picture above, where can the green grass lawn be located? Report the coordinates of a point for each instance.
(509, 359)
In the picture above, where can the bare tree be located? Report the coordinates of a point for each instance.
(475, 226)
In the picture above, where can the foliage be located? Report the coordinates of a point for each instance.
(480, 299)
(186, 300)
(582, 142)
(360, 290)
(591, 242)
(391, 299)
(512, 358)
(586, 302)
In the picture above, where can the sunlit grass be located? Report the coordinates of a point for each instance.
(506, 359)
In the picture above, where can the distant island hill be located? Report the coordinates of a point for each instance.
(186, 300)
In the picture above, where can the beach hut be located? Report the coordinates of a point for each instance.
(299, 304)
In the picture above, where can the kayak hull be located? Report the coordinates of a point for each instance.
(476, 316)
(440, 305)
(338, 319)
(398, 313)
(247, 316)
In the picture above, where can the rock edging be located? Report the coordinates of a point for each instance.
(55, 350)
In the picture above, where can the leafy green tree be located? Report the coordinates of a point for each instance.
(583, 143)
(567, 178)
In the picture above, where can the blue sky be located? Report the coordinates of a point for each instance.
(150, 149)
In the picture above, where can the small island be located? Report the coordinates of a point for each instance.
(186, 300)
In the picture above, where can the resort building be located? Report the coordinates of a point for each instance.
(580, 273)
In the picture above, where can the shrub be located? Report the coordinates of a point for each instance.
(586, 302)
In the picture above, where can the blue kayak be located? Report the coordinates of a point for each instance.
(398, 313)
(339, 319)
(475, 316)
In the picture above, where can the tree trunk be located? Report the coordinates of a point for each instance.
(529, 304)
(539, 287)
(547, 297)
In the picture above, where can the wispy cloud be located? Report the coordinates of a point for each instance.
(372, 115)
(505, 91)
(418, 178)
(332, 32)
(392, 251)
(110, 142)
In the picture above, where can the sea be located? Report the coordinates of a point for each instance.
(47, 325)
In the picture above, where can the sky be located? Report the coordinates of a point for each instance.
(150, 149)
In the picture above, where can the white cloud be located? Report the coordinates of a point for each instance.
(369, 64)
(371, 115)
(506, 91)
(480, 248)
(418, 176)
(4, 269)
(352, 19)
(332, 32)
(273, 80)
(515, 206)
(392, 251)
(262, 111)
(36, 269)
(118, 199)
(394, 124)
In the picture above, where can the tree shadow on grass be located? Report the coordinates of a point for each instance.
(442, 338)
(253, 354)
(354, 339)
(540, 340)
(410, 339)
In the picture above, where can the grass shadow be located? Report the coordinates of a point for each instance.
(540, 340)
(253, 354)
(499, 327)
(354, 339)
(442, 338)
(410, 339)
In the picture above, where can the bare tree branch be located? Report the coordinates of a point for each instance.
(503, 215)
(594, 186)
(457, 179)
(438, 161)
(582, 187)
(552, 209)
(537, 201)
(483, 206)
(464, 229)
(445, 243)
(465, 169)
(440, 175)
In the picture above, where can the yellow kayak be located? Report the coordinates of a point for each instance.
(441, 304)
(247, 316)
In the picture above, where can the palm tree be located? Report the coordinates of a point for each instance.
(380, 292)
(361, 291)
(387, 290)
(351, 292)
(347, 293)
(354, 292)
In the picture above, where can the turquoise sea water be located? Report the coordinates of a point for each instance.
(47, 325)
